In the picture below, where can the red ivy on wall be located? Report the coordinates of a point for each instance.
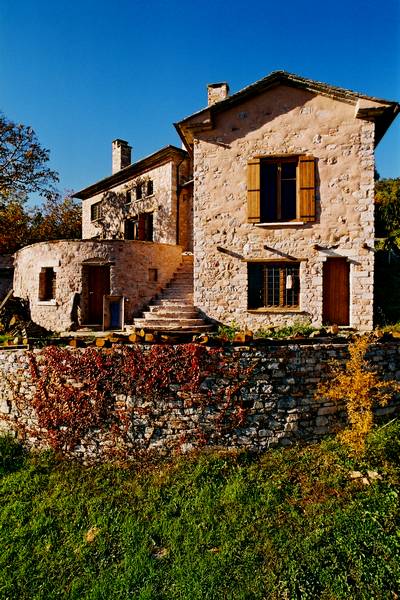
(78, 391)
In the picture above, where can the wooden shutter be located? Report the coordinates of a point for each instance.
(253, 190)
(142, 227)
(306, 188)
(42, 285)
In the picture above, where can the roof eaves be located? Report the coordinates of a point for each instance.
(150, 161)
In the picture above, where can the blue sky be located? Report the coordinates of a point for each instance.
(83, 73)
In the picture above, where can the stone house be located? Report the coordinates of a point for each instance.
(273, 194)
(284, 202)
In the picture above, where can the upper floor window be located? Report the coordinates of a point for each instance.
(139, 192)
(128, 197)
(140, 228)
(47, 284)
(281, 189)
(149, 188)
(95, 211)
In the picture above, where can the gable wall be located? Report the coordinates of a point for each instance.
(283, 120)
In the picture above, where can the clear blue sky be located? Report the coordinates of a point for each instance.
(83, 73)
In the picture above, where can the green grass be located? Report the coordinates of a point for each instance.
(289, 524)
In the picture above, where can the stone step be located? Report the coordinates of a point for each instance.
(155, 318)
(172, 310)
(177, 294)
(188, 323)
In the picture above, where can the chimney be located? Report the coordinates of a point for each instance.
(121, 155)
(217, 92)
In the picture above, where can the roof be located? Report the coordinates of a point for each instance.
(383, 114)
(160, 157)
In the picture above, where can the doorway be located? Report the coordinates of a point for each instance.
(336, 292)
(98, 282)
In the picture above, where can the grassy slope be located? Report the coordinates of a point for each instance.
(289, 524)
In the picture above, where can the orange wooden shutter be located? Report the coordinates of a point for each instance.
(253, 190)
(307, 188)
(42, 285)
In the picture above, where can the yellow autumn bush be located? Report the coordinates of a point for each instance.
(359, 387)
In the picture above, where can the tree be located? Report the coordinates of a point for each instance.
(58, 218)
(23, 161)
(387, 203)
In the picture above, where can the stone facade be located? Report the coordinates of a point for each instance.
(285, 120)
(274, 195)
(171, 215)
(70, 261)
(277, 402)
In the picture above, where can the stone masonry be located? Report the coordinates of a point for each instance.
(281, 121)
(277, 401)
(68, 259)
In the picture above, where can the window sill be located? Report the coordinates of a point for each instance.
(281, 224)
(281, 309)
(52, 302)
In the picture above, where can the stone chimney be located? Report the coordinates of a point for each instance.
(121, 155)
(217, 92)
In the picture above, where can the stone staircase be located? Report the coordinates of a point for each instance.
(174, 310)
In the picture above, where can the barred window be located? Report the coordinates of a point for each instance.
(273, 285)
(95, 211)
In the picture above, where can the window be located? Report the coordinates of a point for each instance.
(95, 211)
(140, 228)
(153, 274)
(281, 189)
(47, 284)
(149, 188)
(128, 197)
(273, 285)
(139, 192)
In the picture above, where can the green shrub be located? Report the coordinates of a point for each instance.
(12, 455)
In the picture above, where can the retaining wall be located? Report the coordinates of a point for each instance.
(262, 395)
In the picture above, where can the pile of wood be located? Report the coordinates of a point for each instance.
(15, 319)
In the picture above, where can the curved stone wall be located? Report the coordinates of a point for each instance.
(133, 267)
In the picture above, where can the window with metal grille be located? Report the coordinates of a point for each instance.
(273, 285)
(95, 211)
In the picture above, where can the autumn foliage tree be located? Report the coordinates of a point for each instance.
(23, 164)
(23, 171)
(58, 218)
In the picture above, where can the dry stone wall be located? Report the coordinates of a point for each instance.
(271, 401)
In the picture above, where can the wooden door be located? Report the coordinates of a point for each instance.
(336, 292)
(98, 286)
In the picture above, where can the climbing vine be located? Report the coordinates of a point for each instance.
(77, 392)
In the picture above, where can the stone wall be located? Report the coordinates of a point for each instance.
(129, 263)
(282, 121)
(162, 203)
(271, 401)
